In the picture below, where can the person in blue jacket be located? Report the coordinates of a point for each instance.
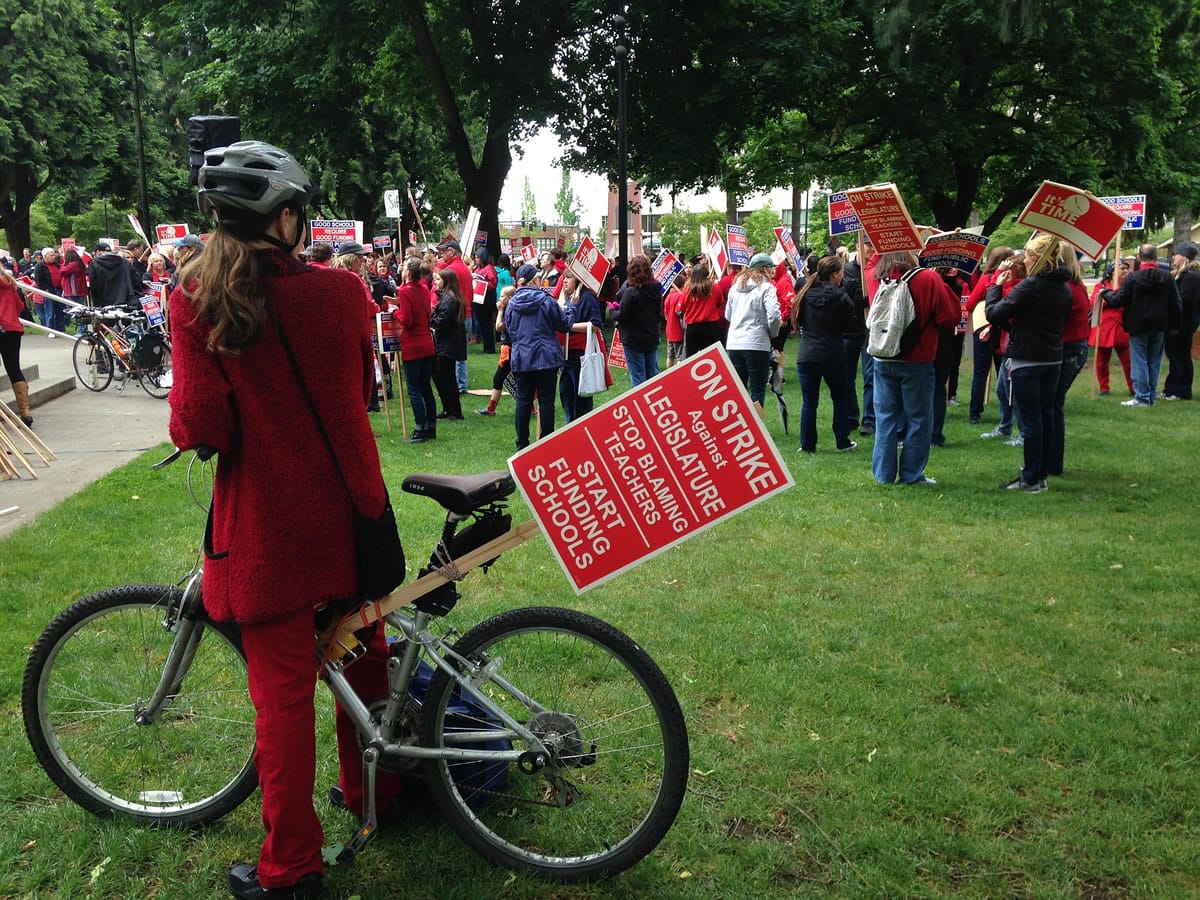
(534, 319)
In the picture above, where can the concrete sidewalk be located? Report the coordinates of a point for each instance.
(91, 433)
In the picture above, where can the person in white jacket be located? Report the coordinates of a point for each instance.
(752, 309)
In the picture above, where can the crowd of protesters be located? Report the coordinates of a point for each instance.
(536, 318)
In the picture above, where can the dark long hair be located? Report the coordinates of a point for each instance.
(827, 267)
(450, 283)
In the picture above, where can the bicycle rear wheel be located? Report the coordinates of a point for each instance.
(88, 677)
(619, 748)
(93, 361)
(153, 353)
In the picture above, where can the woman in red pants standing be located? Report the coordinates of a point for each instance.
(279, 542)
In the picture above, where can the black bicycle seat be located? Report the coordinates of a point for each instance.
(461, 493)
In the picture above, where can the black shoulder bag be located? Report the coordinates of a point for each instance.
(378, 553)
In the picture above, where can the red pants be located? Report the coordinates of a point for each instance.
(281, 670)
(1104, 357)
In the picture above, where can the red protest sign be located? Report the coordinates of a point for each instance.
(884, 217)
(528, 253)
(616, 353)
(67, 243)
(960, 250)
(784, 236)
(170, 232)
(589, 264)
(479, 289)
(678, 454)
(1073, 215)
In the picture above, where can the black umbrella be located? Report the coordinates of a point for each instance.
(777, 389)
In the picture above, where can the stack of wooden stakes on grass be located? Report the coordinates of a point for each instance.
(12, 457)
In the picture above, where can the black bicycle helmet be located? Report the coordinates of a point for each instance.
(252, 177)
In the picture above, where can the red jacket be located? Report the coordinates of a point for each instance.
(74, 279)
(1079, 318)
(1111, 332)
(936, 307)
(12, 304)
(280, 537)
(413, 313)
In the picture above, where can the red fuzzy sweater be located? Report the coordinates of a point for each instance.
(280, 537)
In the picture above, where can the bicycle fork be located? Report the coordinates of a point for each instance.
(188, 631)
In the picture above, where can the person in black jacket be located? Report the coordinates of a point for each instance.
(110, 278)
(823, 313)
(449, 340)
(1150, 298)
(640, 319)
(1186, 269)
(1034, 313)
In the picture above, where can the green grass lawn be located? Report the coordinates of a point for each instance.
(891, 691)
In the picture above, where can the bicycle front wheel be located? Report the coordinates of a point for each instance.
(93, 362)
(88, 678)
(618, 744)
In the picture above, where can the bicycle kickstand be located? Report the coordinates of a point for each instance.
(370, 821)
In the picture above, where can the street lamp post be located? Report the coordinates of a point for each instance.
(621, 52)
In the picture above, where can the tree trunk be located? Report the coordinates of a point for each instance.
(1183, 224)
(797, 205)
(731, 208)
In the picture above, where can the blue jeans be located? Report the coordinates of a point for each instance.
(834, 374)
(1075, 356)
(903, 391)
(1145, 362)
(539, 382)
(983, 357)
(573, 405)
(754, 368)
(868, 398)
(1004, 398)
(418, 375)
(1033, 389)
(852, 347)
(460, 374)
(642, 364)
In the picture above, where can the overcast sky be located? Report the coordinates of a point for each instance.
(545, 177)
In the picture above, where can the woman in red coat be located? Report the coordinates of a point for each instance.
(1111, 335)
(280, 542)
(417, 351)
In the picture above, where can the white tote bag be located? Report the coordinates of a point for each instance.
(591, 367)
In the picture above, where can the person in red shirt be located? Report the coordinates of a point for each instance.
(12, 305)
(703, 311)
(280, 540)
(673, 310)
(1111, 334)
(1074, 354)
(904, 386)
(413, 313)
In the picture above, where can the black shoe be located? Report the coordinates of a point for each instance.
(868, 429)
(243, 883)
(373, 407)
(975, 420)
(417, 437)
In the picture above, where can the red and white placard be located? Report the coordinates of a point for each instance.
(657, 465)
(1074, 215)
(885, 218)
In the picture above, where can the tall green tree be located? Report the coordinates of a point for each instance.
(60, 70)
(566, 203)
(970, 107)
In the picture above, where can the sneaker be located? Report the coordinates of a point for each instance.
(974, 420)
(1017, 484)
(1134, 402)
(996, 433)
(922, 480)
(1018, 441)
(485, 412)
(953, 401)
(804, 450)
(51, 335)
(1168, 397)
(1043, 485)
(867, 429)
(243, 883)
(850, 446)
